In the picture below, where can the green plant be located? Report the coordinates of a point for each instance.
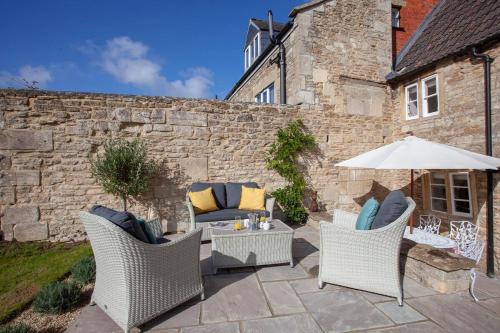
(83, 271)
(123, 169)
(17, 328)
(57, 297)
(291, 141)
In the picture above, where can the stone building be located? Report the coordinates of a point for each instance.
(408, 63)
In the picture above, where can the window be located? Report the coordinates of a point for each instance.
(460, 194)
(395, 17)
(430, 99)
(252, 51)
(266, 95)
(411, 93)
(438, 192)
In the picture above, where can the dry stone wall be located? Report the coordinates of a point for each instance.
(47, 139)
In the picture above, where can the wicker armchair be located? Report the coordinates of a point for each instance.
(136, 281)
(362, 259)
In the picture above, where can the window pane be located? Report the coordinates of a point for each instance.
(461, 193)
(439, 205)
(460, 180)
(412, 109)
(430, 86)
(395, 17)
(412, 93)
(438, 191)
(462, 207)
(437, 178)
(271, 93)
(432, 104)
(264, 96)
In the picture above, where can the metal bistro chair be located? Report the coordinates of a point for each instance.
(430, 224)
(464, 233)
(474, 251)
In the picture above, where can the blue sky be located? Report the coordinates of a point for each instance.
(178, 48)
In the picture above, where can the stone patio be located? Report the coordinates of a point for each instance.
(283, 299)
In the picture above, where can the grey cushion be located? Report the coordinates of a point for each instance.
(233, 192)
(226, 215)
(391, 209)
(124, 220)
(218, 190)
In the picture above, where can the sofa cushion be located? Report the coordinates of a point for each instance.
(148, 231)
(203, 201)
(233, 193)
(226, 215)
(218, 190)
(391, 209)
(367, 214)
(252, 198)
(124, 220)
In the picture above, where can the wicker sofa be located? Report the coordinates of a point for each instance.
(228, 207)
(137, 281)
(362, 259)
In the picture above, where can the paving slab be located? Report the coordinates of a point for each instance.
(310, 286)
(298, 323)
(179, 317)
(233, 297)
(343, 311)
(400, 314)
(412, 288)
(489, 286)
(456, 314)
(281, 272)
(424, 327)
(282, 298)
(375, 298)
(232, 327)
(310, 264)
(492, 304)
(93, 319)
(304, 249)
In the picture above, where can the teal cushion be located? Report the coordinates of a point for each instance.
(367, 214)
(147, 230)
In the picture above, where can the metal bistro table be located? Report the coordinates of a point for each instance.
(437, 241)
(246, 247)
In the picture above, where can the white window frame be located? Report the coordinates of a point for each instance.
(267, 91)
(445, 191)
(452, 187)
(246, 54)
(407, 97)
(252, 51)
(425, 107)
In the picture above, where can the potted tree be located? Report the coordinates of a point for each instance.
(123, 169)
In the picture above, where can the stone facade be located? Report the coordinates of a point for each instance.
(460, 123)
(337, 53)
(49, 137)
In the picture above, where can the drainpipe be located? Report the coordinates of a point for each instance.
(281, 57)
(490, 254)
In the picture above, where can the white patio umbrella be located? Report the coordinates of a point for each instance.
(415, 153)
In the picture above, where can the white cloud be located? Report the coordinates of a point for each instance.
(128, 62)
(26, 75)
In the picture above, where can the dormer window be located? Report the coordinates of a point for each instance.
(252, 51)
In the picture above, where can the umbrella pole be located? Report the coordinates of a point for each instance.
(411, 195)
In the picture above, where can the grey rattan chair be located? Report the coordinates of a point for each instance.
(362, 259)
(136, 281)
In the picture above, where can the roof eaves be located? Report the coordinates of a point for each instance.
(305, 6)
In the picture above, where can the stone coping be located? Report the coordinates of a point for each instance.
(438, 258)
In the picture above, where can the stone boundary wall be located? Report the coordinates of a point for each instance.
(47, 138)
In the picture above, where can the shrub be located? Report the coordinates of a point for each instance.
(57, 297)
(123, 169)
(83, 271)
(17, 328)
(291, 141)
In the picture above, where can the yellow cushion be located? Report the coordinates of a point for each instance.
(252, 198)
(203, 201)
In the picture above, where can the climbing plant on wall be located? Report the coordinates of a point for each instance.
(291, 141)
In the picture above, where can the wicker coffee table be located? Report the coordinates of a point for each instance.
(251, 247)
